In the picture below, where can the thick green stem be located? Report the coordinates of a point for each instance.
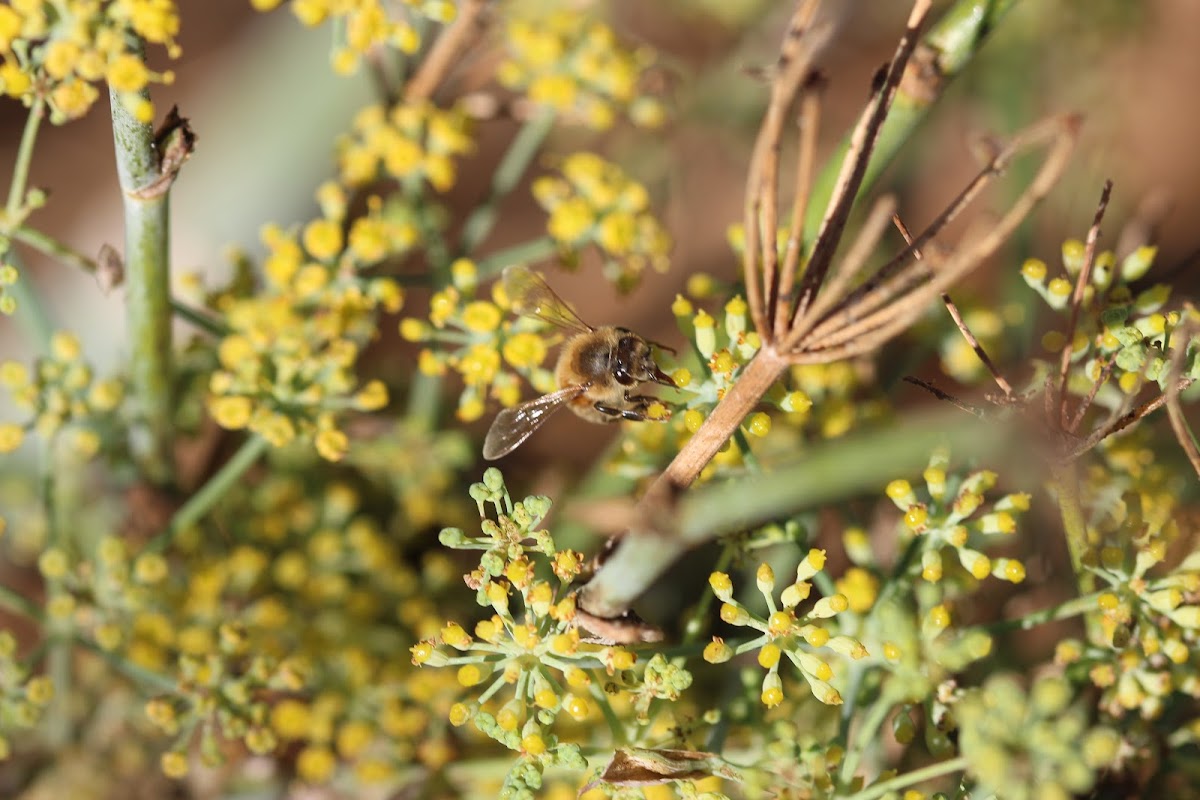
(508, 174)
(211, 492)
(147, 291)
(944, 52)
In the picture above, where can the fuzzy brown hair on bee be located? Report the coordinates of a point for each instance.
(599, 370)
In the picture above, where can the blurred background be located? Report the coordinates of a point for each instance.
(267, 110)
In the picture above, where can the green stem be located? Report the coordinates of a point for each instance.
(20, 179)
(49, 246)
(525, 253)
(211, 492)
(1065, 485)
(58, 646)
(1065, 610)
(147, 293)
(508, 174)
(147, 679)
(910, 778)
(866, 731)
(31, 313)
(19, 604)
(951, 44)
(610, 716)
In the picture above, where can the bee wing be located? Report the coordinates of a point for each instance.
(514, 425)
(532, 297)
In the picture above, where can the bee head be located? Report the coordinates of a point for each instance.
(633, 362)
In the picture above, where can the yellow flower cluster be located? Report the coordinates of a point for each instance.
(420, 467)
(59, 49)
(285, 639)
(287, 364)
(593, 202)
(23, 697)
(411, 142)
(783, 633)
(8, 276)
(948, 519)
(529, 649)
(364, 24)
(576, 66)
(479, 344)
(60, 392)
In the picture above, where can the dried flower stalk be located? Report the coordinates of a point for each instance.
(820, 320)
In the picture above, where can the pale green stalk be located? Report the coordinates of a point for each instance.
(147, 292)
(211, 492)
(509, 172)
(910, 779)
(31, 314)
(49, 246)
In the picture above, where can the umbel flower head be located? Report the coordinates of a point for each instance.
(784, 633)
(287, 363)
(365, 24)
(575, 65)
(59, 50)
(489, 352)
(593, 202)
(60, 393)
(526, 669)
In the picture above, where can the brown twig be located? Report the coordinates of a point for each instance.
(761, 204)
(1123, 421)
(961, 324)
(854, 167)
(1081, 283)
(446, 50)
(810, 120)
(1179, 425)
(944, 396)
(881, 311)
(1105, 374)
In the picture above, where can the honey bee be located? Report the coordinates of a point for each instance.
(598, 371)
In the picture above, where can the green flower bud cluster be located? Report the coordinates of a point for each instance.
(527, 666)
(1128, 336)
(1031, 745)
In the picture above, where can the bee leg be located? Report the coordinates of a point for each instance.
(635, 414)
(636, 411)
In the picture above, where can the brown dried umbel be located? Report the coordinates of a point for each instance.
(825, 311)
